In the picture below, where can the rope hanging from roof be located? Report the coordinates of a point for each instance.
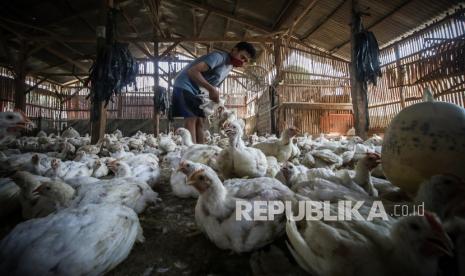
(114, 68)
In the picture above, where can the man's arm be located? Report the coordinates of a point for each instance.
(195, 74)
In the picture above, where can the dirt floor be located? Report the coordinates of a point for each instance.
(174, 246)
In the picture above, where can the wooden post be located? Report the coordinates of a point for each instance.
(20, 77)
(168, 92)
(278, 64)
(156, 83)
(358, 89)
(401, 75)
(98, 116)
(120, 107)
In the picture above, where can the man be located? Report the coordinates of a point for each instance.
(208, 71)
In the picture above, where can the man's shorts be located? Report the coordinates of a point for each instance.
(185, 104)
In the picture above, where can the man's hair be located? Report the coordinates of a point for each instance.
(249, 48)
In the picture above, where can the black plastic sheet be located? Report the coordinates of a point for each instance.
(161, 100)
(114, 68)
(367, 57)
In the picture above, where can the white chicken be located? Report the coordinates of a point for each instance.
(89, 240)
(281, 148)
(411, 245)
(215, 212)
(237, 160)
(100, 169)
(166, 143)
(178, 179)
(362, 178)
(273, 166)
(442, 194)
(9, 197)
(67, 169)
(32, 205)
(70, 133)
(205, 154)
(325, 158)
(135, 195)
(11, 123)
(148, 173)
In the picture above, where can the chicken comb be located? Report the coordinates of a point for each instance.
(433, 222)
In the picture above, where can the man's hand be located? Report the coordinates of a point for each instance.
(214, 95)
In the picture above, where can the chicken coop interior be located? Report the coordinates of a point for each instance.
(343, 101)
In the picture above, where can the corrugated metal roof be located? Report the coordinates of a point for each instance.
(387, 19)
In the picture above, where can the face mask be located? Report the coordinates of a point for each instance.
(235, 62)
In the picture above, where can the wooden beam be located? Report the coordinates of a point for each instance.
(314, 74)
(358, 89)
(284, 10)
(278, 62)
(98, 114)
(168, 50)
(194, 22)
(20, 77)
(401, 74)
(322, 21)
(156, 112)
(67, 59)
(82, 75)
(35, 85)
(68, 83)
(74, 11)
(154, 6)
(89, 40)
(28, 37)
(299, 18)
(39, 47)
(338, 47)
(143, 49)
(202, 24)
(187, 50)
(316, 106)
(5, 51)
(249, 23)
(72, 95)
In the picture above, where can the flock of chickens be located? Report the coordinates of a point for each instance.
(80, 201)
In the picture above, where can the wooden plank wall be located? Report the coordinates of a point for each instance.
(42, 102)
(310, 76)
(432, 57)
(259, 104)
(138, 104)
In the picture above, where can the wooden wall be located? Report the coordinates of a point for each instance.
(314, 92)
(432, 57)
(309, 89)
(43, 102)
